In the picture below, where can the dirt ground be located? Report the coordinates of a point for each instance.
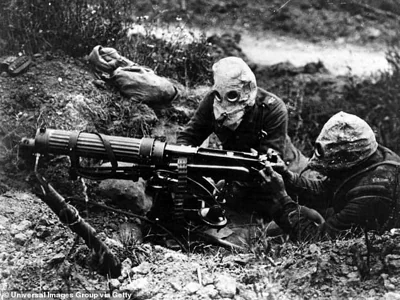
(38, 253)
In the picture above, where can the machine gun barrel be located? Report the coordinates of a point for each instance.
(144, 151)
(87, 144)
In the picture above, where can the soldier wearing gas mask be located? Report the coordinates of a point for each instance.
(360, 190)
(243, 117)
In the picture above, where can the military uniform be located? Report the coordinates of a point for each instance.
(361, 188)
(264, 126)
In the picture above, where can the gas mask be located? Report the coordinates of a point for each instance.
(235, 89)
(344, 142)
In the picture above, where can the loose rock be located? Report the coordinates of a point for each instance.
(114, 284)
(56, 259)
(226, 286)
(192, 287)
(20, 238)
(140, 288)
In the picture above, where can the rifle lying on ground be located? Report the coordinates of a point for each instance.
(177, 174)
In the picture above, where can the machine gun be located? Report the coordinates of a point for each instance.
(181, 171)
(178, 175)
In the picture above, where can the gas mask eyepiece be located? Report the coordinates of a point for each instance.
(232, 96)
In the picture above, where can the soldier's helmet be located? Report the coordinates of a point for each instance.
(344, 142)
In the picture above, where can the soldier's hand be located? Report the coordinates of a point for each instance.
(280, 166)
(273, 181)
(276, 161)
(312, 215)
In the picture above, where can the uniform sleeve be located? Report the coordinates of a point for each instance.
(305, 186)
(310, 192)
(293, 222)
(370, 212)
(274, 125)
(199, 127)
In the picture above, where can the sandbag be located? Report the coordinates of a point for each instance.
(139, 83)
(142, 84)
(107, 60)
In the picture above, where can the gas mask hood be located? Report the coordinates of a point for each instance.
(235, 89)
(344, 142)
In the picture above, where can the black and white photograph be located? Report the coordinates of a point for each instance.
(199, 149)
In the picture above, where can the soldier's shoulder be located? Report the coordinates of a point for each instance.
(388, 154)
(207, 101)
(268, 98)
(387, 169)
(382, 173)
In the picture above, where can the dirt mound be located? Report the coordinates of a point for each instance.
(38, 253)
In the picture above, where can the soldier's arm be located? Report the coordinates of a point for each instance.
(199, 127)
(369, 211)
(300, 222)
(275, 126)
(302, 185)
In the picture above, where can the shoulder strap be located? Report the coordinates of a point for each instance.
(259, 122)
(373, 166)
